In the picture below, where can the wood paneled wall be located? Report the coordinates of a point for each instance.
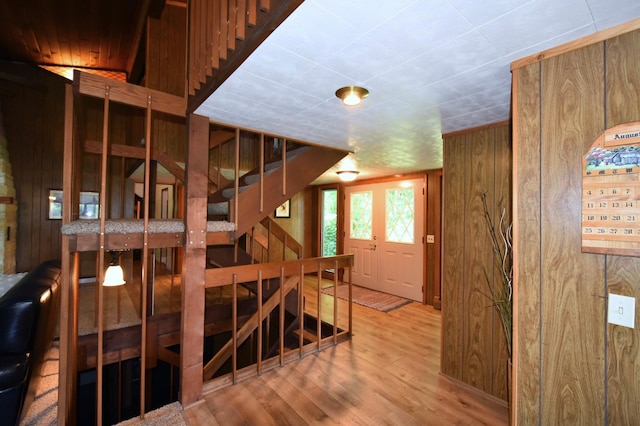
(166, 70)
(473, 345)
(32, 101)
(571, 366)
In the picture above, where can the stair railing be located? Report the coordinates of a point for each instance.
(314, 332)
(261, 248)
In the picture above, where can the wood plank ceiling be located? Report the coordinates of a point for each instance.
(98, 34)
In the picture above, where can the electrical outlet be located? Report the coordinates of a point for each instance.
(431, 239)
(622, 310)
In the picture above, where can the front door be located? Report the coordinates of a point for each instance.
(384, 231)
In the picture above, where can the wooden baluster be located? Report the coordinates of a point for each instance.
(234, 332)
(319, 325)
(224, 41)
(284, 167)
(231, 25)
(252, 13)
(259, 350)
(335, 302)
(237, 176)
(215, 22)
(281, 322)
(241, 19)
(261, 172)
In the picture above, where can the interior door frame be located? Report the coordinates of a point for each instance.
(420, 175)
(340, 222)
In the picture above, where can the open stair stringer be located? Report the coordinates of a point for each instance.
(301, 170)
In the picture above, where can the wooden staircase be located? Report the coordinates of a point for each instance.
(258, 194)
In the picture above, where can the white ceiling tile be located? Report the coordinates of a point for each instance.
(431, 67)
(535, 23)
(275, 63)
(420, 28)
(479, 12)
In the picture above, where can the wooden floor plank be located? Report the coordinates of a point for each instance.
(387, 374)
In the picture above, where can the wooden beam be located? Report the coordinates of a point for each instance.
(129, 94)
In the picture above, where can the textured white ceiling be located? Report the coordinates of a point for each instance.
(431, 66)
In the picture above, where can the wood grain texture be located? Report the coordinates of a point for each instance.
(473, 346)
(526, 146)
(572, 282)
(194, 264)
(623, 344)
(453, 256)
(387, 374)
(33, 117)
(478, 260)
(503, 205)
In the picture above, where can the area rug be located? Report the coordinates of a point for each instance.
(377, 300)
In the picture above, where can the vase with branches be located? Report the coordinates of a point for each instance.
(501, 291)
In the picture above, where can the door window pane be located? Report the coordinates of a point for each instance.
(361, 215)
(400, 215)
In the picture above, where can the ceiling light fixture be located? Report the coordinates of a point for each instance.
(352, 95)
(347, 175)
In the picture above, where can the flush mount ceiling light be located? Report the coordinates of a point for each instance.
(347, 175)
(352, 95)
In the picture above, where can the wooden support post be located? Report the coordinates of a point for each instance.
(194, 264)
(100, 263)
(145, 282)
(67, 385)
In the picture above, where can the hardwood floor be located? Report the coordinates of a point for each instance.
(388, 374)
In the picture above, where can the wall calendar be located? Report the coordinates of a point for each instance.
(611, 192)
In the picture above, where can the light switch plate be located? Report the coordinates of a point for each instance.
(622, 310)
(431, 239)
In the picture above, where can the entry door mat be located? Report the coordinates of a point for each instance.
(377, 300)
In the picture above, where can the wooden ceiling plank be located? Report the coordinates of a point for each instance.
(265, 5)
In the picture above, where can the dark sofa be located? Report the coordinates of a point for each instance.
(28, 318)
